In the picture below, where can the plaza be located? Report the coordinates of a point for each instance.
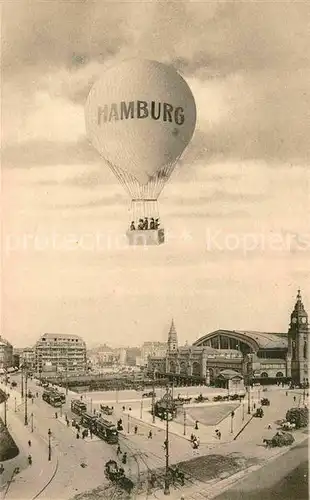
(65, 476)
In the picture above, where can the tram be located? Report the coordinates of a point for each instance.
(52, 398)
(78, 406)
(106, 430)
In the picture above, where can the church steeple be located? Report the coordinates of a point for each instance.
(172, 338)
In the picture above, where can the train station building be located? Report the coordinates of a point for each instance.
(225, 355)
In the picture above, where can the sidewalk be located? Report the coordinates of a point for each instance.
(31, 479)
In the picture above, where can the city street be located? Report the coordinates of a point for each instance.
(143, 454)
(285, 478)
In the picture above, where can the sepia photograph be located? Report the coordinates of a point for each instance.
(155, 249)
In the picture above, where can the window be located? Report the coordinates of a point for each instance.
(264, 375)
(279, 374)
(305, 349)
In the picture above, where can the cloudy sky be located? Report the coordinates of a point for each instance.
(236, 210)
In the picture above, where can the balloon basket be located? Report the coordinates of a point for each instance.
(146, 237)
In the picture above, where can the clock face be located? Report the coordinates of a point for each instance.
(294, 320)
(304, 320)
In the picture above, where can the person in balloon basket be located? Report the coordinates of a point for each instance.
(140, 225)
(157, 224)
(132, 226)
(146, 223)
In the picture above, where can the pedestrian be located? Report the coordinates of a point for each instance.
(124, 408)
(136, 429)
(77, 436)
(29, 459)
(196, 425)
(68, 423)
(286, 393)
(1, 469)
(150, 435)
(269, 426)
(124, 459)
(165, 444)
(29, 443)
(294, 398)
(118, 451)
(56, 414)
(91, 433)
(192, 437)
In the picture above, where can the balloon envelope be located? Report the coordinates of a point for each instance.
(140, 116)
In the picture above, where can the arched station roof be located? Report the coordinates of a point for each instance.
(256, 340)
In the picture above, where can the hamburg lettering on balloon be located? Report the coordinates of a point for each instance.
(141, 109)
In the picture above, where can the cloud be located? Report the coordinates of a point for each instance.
(43, 152)
(247, 63)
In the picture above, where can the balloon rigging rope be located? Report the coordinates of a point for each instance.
(144, 196)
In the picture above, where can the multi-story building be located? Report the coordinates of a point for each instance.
(132, 354)
(152, 349)
(58, 353)
(6, 354)
(258, 356)
(27, 357)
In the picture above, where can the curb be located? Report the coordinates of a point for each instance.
(49, 481)
(242, 428)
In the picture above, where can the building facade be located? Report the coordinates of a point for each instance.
(27, 357)
(56, 353)
(152, 349)
(257, 356)
(6, 354)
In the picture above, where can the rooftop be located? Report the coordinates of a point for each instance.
(258, 340)
(4, 342)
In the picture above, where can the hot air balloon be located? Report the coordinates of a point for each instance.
(140, 116)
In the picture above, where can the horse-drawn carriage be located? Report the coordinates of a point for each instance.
(107, 410)
(180, 400)
(265, 402)
(259, 413)
(116, 475)
(201, 399)
(279, 439)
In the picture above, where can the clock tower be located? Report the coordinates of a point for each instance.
(298, 333)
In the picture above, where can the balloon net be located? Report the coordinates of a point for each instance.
(144, 196)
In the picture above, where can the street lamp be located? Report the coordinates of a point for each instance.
(26, 400)
(249, 399)
(22, 380)
(153, 398)
(141, 409)
(232, 422)
(184, 416)
(49, 445)
(31, 422)
(5, 409)
(168, 401)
